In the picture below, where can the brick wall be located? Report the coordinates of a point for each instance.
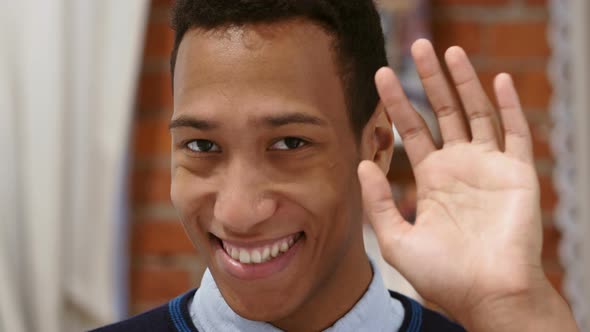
(163, 261)
(499, 35)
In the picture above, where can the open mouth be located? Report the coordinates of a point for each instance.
(248, 260)
(260, 253)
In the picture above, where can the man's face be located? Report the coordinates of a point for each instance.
(264, 164)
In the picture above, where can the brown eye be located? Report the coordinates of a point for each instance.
(202, 145)
(289, 143)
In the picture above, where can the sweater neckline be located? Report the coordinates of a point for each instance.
(180, 319)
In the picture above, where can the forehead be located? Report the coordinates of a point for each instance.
(266, 66)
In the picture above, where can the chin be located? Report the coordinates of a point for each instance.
(269, 305)
(269, 290)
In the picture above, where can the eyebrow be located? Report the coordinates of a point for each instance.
(292, 118)
(192, 123)
(269, 121)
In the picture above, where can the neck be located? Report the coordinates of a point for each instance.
(336, 297)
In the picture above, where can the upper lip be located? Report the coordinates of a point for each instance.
(255, 243)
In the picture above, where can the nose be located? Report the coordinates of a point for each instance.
(244, 200)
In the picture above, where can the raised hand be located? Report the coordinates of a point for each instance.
(475, 248)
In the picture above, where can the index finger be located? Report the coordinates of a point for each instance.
(410, 125)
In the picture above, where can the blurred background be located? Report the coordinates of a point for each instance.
(88, 234)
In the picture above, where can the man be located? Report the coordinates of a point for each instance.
(277, 118)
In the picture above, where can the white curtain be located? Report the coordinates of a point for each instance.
(68, 71)
(570, 109)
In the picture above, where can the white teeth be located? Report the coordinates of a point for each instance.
(284, 246)
(244, 257)
(275, 250)
(256, 256)
(265, 254)
(262, 254)
(235, 254)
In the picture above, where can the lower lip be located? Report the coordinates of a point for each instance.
(255, 271)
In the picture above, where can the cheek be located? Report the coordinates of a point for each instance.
(190, 197)
(333, 198)
(335, 227)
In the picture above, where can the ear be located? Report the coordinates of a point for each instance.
(377, 139)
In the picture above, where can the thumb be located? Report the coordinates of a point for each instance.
(388, 223)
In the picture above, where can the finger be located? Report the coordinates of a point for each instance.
(410, 125)
(478, 107)
(388, 223)
(438, 90)
(516, 129)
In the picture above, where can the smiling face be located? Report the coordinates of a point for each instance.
(264, 170)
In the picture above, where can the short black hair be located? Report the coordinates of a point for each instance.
(355, 25)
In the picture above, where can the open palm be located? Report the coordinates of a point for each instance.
(477, 233)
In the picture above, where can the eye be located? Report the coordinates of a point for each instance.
(202, 145)
(289, 143)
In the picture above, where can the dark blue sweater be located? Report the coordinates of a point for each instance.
(174, 317)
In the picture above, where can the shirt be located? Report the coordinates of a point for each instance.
(375, 311)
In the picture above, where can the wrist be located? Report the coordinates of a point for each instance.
(535, 307)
